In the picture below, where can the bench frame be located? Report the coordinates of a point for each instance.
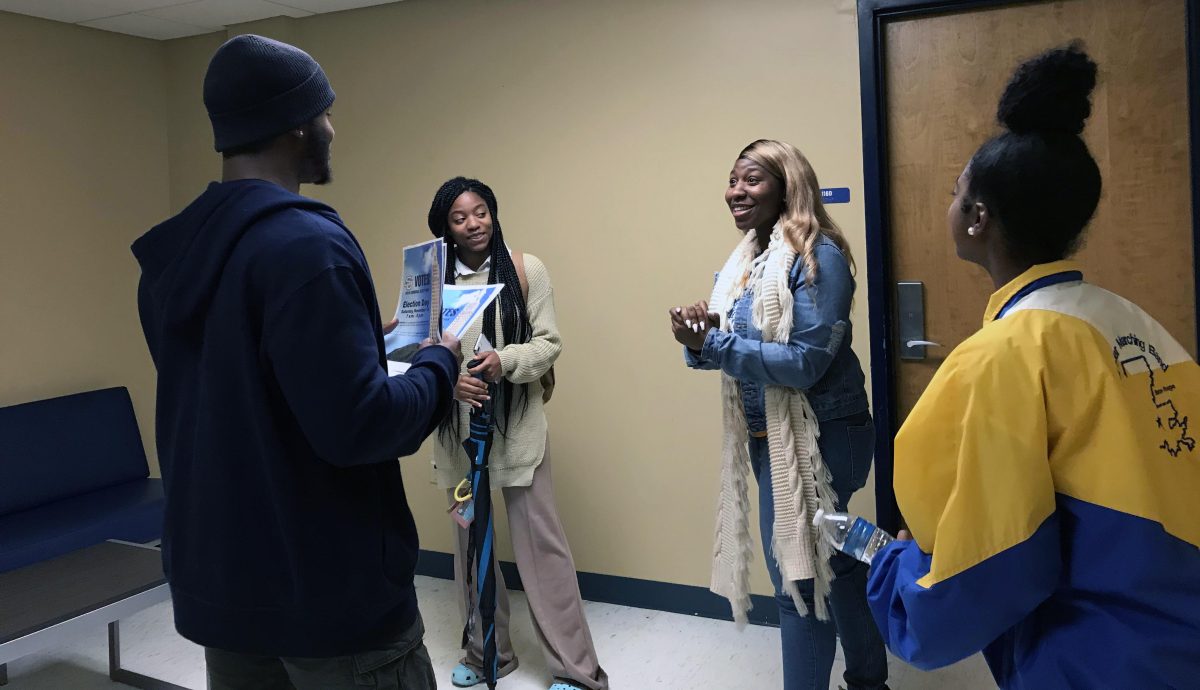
(110, 614)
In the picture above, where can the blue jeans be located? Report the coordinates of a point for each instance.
(848, 445)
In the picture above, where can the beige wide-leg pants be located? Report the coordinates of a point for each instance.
(548, 575)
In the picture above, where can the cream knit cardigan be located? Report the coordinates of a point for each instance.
(799, 477)
(518, 454)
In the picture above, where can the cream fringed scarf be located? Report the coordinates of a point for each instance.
(799, 477)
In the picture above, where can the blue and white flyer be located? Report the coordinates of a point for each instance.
(462, 304)
(420, 300)
(423, 295)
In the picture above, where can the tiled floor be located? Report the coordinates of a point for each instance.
(640, 649)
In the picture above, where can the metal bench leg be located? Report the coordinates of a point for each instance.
(3, 674)
(120, 675)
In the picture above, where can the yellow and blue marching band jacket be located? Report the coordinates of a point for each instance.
(1051, 481)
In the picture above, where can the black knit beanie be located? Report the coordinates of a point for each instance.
(257, 88)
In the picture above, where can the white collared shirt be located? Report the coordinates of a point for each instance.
(461, 269)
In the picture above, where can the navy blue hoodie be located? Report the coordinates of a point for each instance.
(287, 528)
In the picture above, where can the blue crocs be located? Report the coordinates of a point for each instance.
(464, 676)
(563, 685)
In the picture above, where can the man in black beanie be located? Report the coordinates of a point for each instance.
(288, 541)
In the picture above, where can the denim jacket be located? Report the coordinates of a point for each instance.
(817, 358)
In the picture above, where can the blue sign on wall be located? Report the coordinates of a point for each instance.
(836, 195)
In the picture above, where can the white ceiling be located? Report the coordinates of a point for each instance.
(165, 19)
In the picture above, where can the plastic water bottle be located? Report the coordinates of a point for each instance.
(852, 534)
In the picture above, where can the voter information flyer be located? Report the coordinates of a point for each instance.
(420, 300)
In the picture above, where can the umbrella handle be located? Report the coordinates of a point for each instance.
(458, 488)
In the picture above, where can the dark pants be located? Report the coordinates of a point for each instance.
(403, 665)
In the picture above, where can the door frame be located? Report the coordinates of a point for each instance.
(873, 17)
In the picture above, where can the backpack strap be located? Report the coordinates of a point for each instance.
(547, 379)
(519, 262)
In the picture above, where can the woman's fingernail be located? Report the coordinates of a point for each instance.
(688, 322)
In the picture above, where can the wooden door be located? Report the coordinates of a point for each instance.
(943, 77)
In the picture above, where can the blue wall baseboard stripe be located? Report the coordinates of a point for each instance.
(626, 591)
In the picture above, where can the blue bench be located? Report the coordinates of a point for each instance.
(73, 473)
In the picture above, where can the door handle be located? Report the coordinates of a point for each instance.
(910, 317)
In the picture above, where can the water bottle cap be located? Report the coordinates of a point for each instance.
(817, 518)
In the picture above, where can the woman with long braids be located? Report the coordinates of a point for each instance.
(523, 331)
(1049, 473)
(795, 413)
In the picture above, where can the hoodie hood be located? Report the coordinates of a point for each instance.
(182, 258)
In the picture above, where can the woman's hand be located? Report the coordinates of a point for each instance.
(690, 325)
(684, 333)
(471, 391)
(488, 366)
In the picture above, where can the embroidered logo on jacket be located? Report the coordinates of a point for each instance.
(1134, 356)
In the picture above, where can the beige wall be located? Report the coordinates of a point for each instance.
(83, 131)
(193, 163)
(606, 130)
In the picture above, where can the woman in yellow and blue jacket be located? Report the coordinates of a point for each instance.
(1049, 474)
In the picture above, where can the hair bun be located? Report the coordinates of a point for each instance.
(1050, 93)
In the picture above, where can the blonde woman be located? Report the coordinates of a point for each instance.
(795, 412)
